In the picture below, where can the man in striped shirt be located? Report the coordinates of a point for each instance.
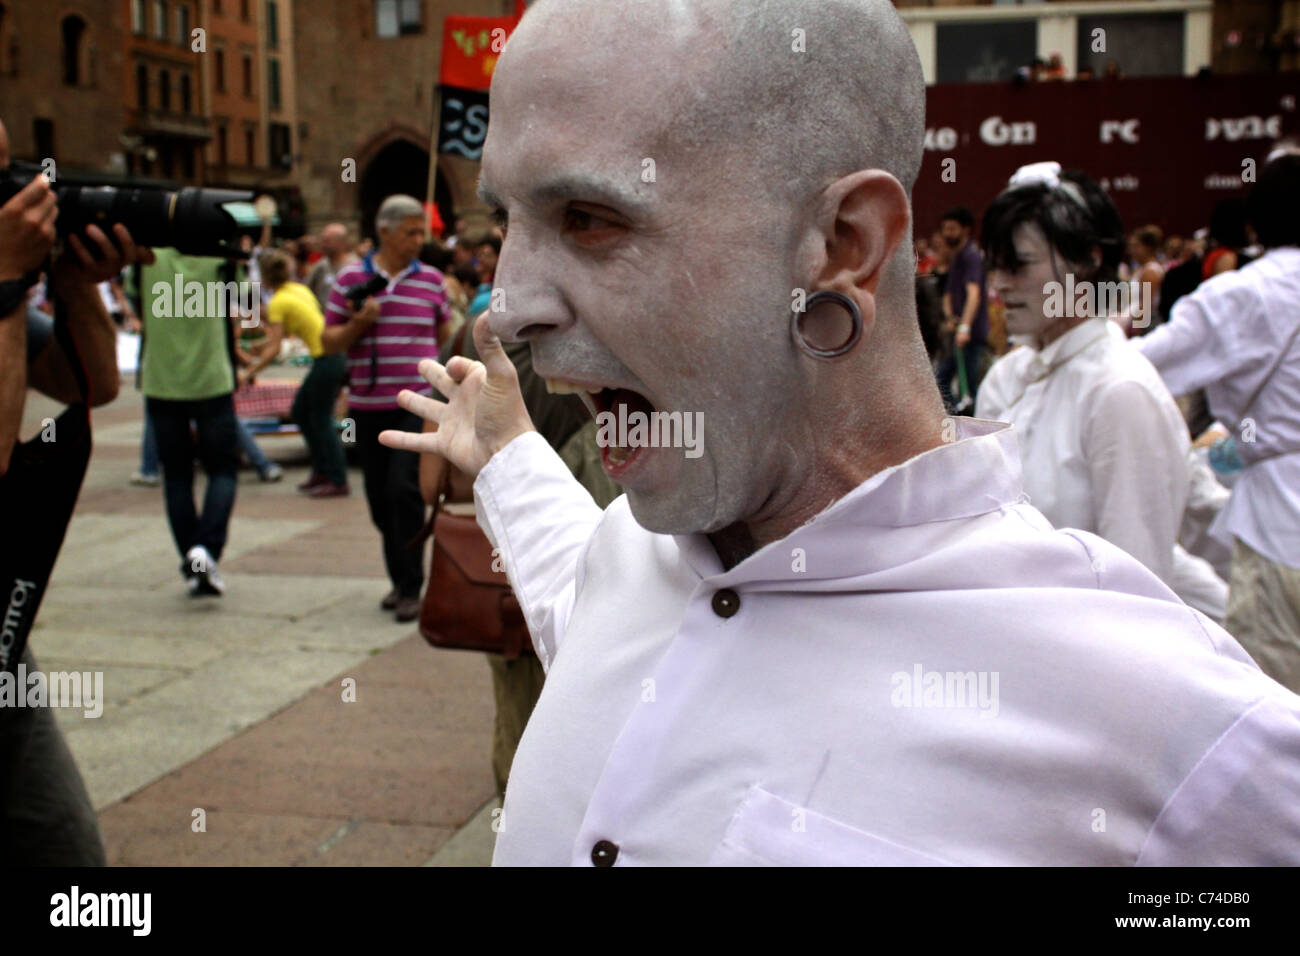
(385, 340)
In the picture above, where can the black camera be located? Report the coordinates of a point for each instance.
(190, 220)
(357, 294)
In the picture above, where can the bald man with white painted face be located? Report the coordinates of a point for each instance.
(825, 626)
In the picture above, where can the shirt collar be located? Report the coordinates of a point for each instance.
(372, 266)
(876, 525)
(1078, 339)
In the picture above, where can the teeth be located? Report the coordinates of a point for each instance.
(558, 386)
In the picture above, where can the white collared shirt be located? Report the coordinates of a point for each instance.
(1102, 442)
(1224, 337)
(925, 673)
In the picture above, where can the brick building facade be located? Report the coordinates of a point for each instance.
(370, 98)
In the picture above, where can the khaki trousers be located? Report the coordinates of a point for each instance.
(516, 685)
(1264, 613)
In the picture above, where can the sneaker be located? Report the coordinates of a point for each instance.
(408, 609)
(271, 472)
(328, 489)
(315, 479)
(140, 478)
(389, 603)
(205, 579)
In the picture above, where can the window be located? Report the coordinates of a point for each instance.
(142, 87)
(248, 75)
(989, 52)
(219, 70)
(279, 146)
(273, 82)
(160, 19)
(183, 25)
(1143, 45)
(164, 90)
(74, 28)
(243, 10)
(137, 16)
(396, 17)
(272, 25)
(250, 141)
(216, 7)
(187, 162)
(223, 146)
(187, 97)
(43, 134)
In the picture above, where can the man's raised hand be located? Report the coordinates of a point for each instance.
(483, 413)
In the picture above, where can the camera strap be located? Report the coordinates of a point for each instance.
(368, 264)
(37, 497)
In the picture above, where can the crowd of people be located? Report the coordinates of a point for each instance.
(1153, 417)
(940, 478)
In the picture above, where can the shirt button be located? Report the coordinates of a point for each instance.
(604, 853)
(726, 602)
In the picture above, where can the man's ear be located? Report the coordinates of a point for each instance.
(865, 219)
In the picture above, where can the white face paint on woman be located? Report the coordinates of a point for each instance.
(633, 262)
(1026, 291)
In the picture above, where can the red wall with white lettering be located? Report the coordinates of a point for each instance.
(1169, 148)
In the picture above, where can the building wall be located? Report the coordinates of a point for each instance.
(174, 134)
(85, 118)
(231, 37)
(357, 93)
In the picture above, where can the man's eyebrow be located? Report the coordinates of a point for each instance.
(583, 187)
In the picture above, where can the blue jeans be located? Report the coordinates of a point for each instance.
(149, 446)
(218, 450)
(256, 457)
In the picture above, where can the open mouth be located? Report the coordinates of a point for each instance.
(613, 408)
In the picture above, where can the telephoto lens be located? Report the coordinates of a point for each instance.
(190, 220)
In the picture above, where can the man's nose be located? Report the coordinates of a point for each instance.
(526, 304)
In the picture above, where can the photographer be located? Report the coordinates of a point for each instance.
(46, 817)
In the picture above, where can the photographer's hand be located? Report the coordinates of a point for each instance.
(73, 281)
(27, 229)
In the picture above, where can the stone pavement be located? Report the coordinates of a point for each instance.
(236, 706)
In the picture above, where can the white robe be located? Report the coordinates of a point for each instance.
(1105, 449)
(1082, 714)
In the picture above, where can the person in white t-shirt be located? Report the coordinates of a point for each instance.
(1238, 337)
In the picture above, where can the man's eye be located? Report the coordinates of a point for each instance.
(589, 224)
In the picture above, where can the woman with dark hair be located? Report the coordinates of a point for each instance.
(1238, 337)
(1103, 445)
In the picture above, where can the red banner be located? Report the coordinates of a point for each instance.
(1166, 148)
(470, 48)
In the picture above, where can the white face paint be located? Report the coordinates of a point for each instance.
(677, 289)
(1025, 292)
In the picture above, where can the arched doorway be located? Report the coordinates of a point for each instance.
(400, 167)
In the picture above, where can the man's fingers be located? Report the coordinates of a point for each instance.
(436, 375)
(125, 243)
(490, 351)
(409, 441)
(426, 408)
(458, 367)
(80, 251)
